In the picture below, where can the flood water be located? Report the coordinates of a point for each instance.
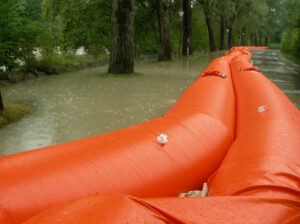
(284, 73)
(81, 104)
(86, 103)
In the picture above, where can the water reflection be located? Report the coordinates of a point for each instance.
(81, 104)
(284, 73)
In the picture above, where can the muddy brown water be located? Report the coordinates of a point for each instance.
(81, 104)
(85, 103)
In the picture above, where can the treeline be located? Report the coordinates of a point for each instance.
(290, 39)
(130, 28)
(158, 28)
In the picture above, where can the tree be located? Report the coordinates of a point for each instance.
(235, 9)
(187, 27)
(1, 102)
(19, 34)
(207, 6)
(11, 25)
(290, 41)
(145, 28)
(164, 30)
(222, 25)
(243, 36)
(276, 20)
(122, 48)
(84, 24)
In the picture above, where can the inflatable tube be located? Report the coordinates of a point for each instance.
(119, 209)
(200, 129)
(257, 182)
(264, 158)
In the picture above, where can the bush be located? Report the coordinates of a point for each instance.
(274, 46)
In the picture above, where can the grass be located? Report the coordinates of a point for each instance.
(291, 57)
(4, 83)
(13, 112)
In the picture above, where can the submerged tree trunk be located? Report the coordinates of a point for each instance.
(211, 33)
(1, 102)
(260, 39)
(122, 51)
(255, 39)
(243, 36)
(187, 27)
(266, 41)
(164, 30)
(252, 39)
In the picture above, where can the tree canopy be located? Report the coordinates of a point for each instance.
(208, 25)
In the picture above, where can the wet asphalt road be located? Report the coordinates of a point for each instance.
(281, 71)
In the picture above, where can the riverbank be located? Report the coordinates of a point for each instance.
(13, 112)
(59, 64)
(54, 65)
(291, 57)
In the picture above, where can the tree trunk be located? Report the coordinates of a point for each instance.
(266, 41)
(187, 27)
(122, 49)
(212, 41)
(255, 39)
(222, 26)
(164, 30)
(230, 30)
(243, 36)
(222, 32)
(1, 102)
(260, 39)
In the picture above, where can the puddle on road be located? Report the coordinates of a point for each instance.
(284, 73)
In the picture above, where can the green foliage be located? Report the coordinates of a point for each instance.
(200, 31)
(290, 41)
(13, 112)
(29, 37)
(19, 32)
(9, 53)
(10, 24)
(146, 29)
(274, 46)
(86, 23)
(49, 25)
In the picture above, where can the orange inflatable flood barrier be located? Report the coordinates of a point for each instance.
(252, 123)
(137, 160)
(108, 209)
(264, 159)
